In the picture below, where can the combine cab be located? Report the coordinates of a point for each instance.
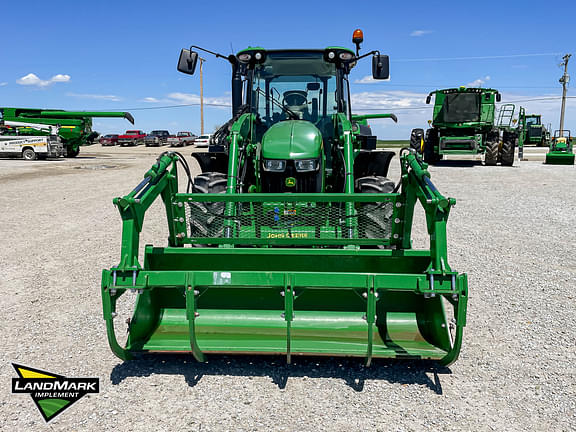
(292, 240)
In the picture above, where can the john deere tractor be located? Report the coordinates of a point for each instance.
(464, 123)
(560, 151)
(532, 130)
(75, 126)
(292, 240)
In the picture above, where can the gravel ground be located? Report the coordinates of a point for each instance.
(512, 231)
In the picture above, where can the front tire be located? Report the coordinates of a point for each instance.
(207, 218)
(491, 155)
(417, 140)
(375, 219)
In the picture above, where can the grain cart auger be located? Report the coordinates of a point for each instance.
(75, 126)
(292, 241)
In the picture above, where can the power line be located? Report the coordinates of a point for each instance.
(476, 58)
(356, 108)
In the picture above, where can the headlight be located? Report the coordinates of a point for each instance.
(306, 165)
(245, 57)
(276, 165)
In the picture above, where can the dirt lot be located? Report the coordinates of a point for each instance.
(512, 231)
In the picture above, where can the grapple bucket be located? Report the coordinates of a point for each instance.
(291, 274)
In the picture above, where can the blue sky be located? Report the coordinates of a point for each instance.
(122, 55)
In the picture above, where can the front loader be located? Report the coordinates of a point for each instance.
(292, 240)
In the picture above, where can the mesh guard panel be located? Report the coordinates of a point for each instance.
(283, 222)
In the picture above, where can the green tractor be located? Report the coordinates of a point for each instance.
(464, 123)
(75, 126)
(292, 240)
(561, 151)
(533, 131)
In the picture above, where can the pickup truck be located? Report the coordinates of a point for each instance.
(109, 140)
(131, 138)
(182, 139)
(157, 138)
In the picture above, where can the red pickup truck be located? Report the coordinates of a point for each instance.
(131, 138)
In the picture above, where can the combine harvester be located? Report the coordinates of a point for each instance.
(464, 123)
(561, 151)
(292, 240)
(75, 126)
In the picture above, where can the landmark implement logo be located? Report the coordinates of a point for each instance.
(52, 393)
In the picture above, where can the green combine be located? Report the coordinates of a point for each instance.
(75, 126)
(561, 151)
(464, 123)
(292, 240)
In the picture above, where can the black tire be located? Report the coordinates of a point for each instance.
(206, 219)
(507, 152)
(375, 219)
(491, 155)
(430, 142)
(72, 153)
(29, 154)
(417, 140)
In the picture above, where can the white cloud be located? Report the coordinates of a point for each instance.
(418, 33)
(478, 82)
(33, 80)
(2, 84)
(369, 80)
(151, 100)
(187, 98)
(112, 98)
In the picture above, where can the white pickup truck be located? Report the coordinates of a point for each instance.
(182, 139)
(27, 146)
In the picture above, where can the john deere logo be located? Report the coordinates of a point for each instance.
(52, 393)
(290, 182)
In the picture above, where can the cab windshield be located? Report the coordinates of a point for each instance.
(296, 85)
(534, 120)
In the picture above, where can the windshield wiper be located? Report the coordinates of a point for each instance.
(269, 97)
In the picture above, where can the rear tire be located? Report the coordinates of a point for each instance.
(72, 153)
(206, 219)
(430, 155)
(29, 154)
(375, 219)
(491, 155)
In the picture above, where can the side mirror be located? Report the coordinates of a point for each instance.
(380, 67)
(498, 97)
(187, 61)
(428, 99)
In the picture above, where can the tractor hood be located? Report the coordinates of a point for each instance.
(292, 139)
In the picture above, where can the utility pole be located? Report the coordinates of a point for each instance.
(564, 81)
(201, 98)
